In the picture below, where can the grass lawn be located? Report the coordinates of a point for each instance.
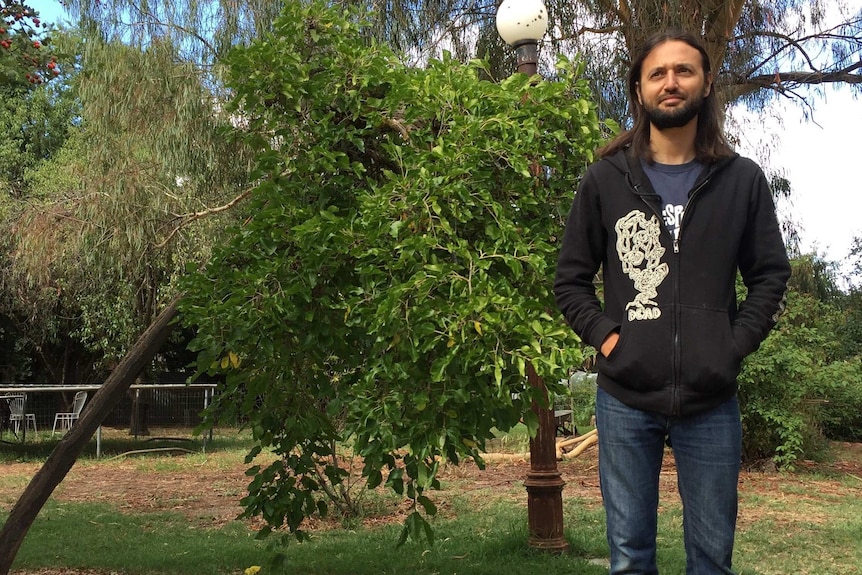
(174, 512)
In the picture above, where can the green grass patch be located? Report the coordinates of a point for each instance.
(96, 536)
(491, 542)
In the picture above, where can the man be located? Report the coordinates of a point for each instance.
(671, 213)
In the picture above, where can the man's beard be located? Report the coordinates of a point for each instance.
(674, 117)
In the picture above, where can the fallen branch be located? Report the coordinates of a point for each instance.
(506, 456)
(564, 444)
(592, 440)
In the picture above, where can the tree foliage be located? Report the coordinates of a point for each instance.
(759, 49)
(34, 124)
(855, 258)
(25, 53)
(804, 384)
(88, 262)
(395, 278)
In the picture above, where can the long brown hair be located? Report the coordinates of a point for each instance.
(710, 143)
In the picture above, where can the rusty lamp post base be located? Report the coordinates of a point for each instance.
(545, 511)
(544, 483)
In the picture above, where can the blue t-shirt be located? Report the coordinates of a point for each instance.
(672, 182)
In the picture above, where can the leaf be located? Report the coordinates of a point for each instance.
(477, 326)
(427, 505)
(405, 533)
(537, 327)
(374, 479)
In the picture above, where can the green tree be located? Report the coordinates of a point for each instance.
(817, 277)
(94, 249)
(783, 384)
(35, 121)
(34, 124)
(394, 280)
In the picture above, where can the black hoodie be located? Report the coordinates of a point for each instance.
(682, 335)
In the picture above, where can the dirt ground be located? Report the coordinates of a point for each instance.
(208, 495)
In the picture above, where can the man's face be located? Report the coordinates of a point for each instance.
(673, 85)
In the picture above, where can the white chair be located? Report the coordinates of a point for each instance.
(65, 420)
(17, 415)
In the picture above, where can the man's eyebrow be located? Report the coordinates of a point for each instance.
(683, 64)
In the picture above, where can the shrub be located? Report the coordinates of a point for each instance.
(393, 285)
(792, 381)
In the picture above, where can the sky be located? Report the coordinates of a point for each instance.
(820, 157)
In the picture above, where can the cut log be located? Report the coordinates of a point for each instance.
(564, 445)
(492, 457)
(582, 447)
(61, 460)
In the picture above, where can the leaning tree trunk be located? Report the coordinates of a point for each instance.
(67, 451)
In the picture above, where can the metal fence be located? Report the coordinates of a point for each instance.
(157, 405)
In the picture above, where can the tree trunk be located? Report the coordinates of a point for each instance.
(67, 451)
(140, 408)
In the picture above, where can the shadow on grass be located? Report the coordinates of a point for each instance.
(115, 441)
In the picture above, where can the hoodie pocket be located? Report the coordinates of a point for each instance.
(710, 359)
(643, 357)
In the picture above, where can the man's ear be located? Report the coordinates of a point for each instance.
(638, 92)
(708, 87)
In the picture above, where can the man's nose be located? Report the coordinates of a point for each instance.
(671, 82)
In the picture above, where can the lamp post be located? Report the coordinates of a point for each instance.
(521, 24)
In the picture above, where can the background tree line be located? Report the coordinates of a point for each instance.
(172, 150)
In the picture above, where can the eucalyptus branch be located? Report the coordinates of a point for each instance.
(790, 42)
(796, 42)
(773, 81)
(175, 26)
(592, 30)
(449, 28)
(194, 216)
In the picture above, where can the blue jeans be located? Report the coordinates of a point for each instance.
(707, 449)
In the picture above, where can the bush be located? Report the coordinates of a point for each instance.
(791, 389)
(393, 286)
(841, 412)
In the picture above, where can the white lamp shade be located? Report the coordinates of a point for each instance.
(520, 21)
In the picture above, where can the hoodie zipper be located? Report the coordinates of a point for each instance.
(691, 196)
(677, 316)
(677, 319)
